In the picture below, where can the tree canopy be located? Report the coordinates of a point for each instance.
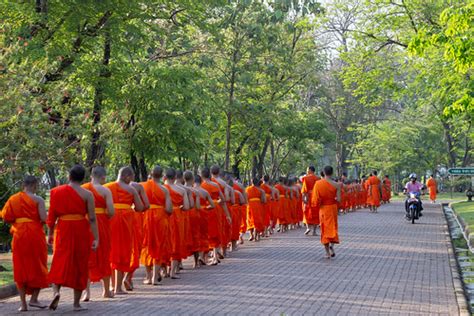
(259, 87)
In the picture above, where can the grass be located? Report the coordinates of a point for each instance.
(443, 196)
(6, 277)
(466, 211)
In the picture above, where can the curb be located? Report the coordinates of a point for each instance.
(459, 291)
(8, 291)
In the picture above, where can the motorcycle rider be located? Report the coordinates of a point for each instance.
(414, 186)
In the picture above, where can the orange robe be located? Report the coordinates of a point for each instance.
(243, 212)
(235, 231)
(99, 260)
(178, 244)
(299, 206)
(156, 228)
(374, 191)
(386, 190)
(365, 192)
(29, 250)
(324, 196)
(432, 188)
(214, 215)
(72, 238)
(267, 206)
(225, 228)
(283, 203)
(194, 229)
(255, 210)
(204, 225)
(121, 228)
(310, 212)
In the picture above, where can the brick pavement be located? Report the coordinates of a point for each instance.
(384, 265)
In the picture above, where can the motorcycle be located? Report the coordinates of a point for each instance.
(414, 206)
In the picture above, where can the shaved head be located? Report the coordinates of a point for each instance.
(205, 173)
(125, 172)
(188, 176)
(170, 174)
(215, 170)
(98, 172)
(30, 181)
(77, 173)
(157, 172)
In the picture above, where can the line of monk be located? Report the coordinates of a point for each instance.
(102, 232)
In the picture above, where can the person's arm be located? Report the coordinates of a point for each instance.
(168, 202)
(41, 209)
(92, 219)
(232, 195)
(209, 199)
(142, 196)
(224, 207)
(186, 204)
(109, 202)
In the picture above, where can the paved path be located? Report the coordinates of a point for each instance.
(384, 265)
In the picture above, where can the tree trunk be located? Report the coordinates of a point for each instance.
(143, 169)
(229, 111)
(52, 178)
(96, 151)
(449, 144)
(135, 166)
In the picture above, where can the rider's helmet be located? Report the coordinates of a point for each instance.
(413, 176)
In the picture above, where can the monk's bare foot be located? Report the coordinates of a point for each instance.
(241, 240)
(175, 277)
(54, 303)
(202, 262)
(86, 296)
(331, 251)
(79, 308)
(37, 305)
(127, 285)
(23, 309)
(108, 295)
(147, 282)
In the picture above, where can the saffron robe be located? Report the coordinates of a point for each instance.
(255, 210)
(99, 260)
(29, 250)
(72, 238)
(214, 215)
(324, 196)
(310, 212)
(121, 228)
(432, 188)
(374, 191)
(156, 228)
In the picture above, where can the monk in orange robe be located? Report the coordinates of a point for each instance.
(214, 218)
(207, 206)
(275, 206)
(99, 260)
(283, 205)
(255, 211)
(156, 228)
(326, 195)
(180, 201)
(239, 200)
(310, 212)
(374, 192)
(243, 210)
(432, 188)
(386, 190)
(138, 218)
(122, 226)
(194, 218)
(267, 207)
(70, 231)
(26, 212)
(226, 217)
(187, 243)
